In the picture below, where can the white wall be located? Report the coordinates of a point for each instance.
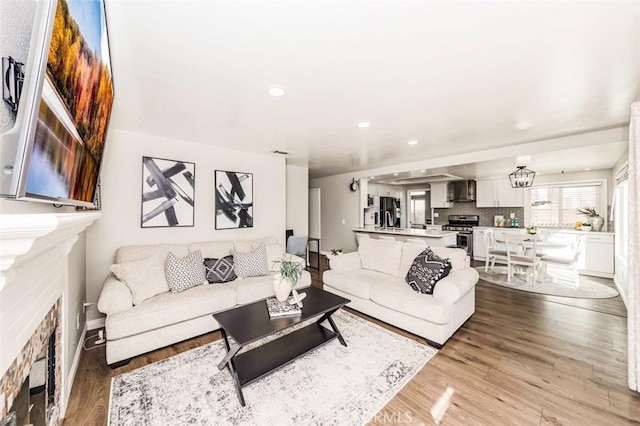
(121, 194)
(338, 203)
(298, 199)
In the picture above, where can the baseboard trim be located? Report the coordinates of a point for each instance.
(95, 324)
(73, 370)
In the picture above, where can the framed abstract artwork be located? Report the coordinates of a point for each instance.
(168, 193)
(234, 199)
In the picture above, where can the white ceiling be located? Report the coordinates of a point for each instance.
(457, 76)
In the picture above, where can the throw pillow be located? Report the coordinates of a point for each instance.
(426, 270)
(184, 273)
(145, 278)
(251, 264)
(219, 270)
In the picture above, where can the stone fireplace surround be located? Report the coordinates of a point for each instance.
(34, 261)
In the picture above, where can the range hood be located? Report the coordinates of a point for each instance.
(462, 190)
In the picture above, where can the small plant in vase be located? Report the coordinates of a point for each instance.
(336, 252)
(290, 272)
(595, 221)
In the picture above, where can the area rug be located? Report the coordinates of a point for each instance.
(558, 283)
(331, 385)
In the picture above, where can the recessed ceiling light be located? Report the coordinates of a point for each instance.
(276, 91)
(372, 177)
(395, 174)
(522, 125)
(364, 124)
(586, 169)
(413, 142)
(422, 171)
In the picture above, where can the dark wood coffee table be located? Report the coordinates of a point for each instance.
(250, 323)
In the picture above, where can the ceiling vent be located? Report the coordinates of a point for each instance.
(279, 152)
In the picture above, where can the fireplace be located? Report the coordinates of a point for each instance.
(32, 383)
(34, 295)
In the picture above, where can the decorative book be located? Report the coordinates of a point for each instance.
(282, 309)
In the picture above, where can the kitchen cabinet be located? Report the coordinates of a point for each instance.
(498, 193)
(439, 195)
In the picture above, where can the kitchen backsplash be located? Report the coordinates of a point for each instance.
(486, 213)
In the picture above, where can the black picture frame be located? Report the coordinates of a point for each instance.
(168, 193)
(233, 194)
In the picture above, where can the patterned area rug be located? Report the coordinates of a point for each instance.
(558, 283)
(331, 385)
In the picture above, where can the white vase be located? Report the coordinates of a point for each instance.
(282, 288)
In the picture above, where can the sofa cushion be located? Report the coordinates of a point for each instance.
(184, 272)
(275, 253)
(213, 249)
(380, 255)
(458, 283)
(409, 252)
(458, 257)
(397, 295)
(145, 278)
(255, 288)
(219, 270)
(167, 309)
(355, 282)
(251, 264)
(249, 245)
(134, 253)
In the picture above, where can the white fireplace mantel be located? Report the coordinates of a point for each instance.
(26, 236)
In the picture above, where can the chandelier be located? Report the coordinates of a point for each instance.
(522, 178)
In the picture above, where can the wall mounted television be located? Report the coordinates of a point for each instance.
(54, 151)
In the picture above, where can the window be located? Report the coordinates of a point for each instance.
(557, 205)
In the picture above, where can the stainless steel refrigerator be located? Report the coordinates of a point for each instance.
(392, 206)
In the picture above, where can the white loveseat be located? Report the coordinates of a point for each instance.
(169, 318)
(373, 278)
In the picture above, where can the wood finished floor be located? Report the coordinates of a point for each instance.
(522, 359)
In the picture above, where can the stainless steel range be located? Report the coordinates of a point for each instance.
(464, 225)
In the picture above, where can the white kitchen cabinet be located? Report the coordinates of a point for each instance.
(597, 256)
(439, 195)
(498, 193)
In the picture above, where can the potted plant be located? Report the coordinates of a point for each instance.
(532, 230)
(290, 272)
(595, 221)
(336, 252)
(586, 226)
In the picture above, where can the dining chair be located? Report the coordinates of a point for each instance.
(569, 261)
(386, 237)
(521, 251)
(489, 239)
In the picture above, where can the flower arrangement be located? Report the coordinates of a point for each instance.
(587, 211)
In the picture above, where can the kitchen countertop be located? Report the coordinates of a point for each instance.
(407, 232)
(562, 230)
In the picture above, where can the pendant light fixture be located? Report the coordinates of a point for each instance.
(522, 177)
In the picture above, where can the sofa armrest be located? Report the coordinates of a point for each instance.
(455, 285)
(459, 258)
(115, 296)
(345, 262)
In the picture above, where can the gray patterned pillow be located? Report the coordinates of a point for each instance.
(426, 270)
(219, 270)
(252, 264)
(184, 273)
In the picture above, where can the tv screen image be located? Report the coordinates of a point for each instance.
(75, 106)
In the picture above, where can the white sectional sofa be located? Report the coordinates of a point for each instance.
(373, 278)
(169, 318)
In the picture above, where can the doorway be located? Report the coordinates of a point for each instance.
(419, 208)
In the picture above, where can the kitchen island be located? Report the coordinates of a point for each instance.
(433, 238)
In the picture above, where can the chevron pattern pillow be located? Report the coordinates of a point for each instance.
(426, 270)
(219, 270)
(184, 273)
